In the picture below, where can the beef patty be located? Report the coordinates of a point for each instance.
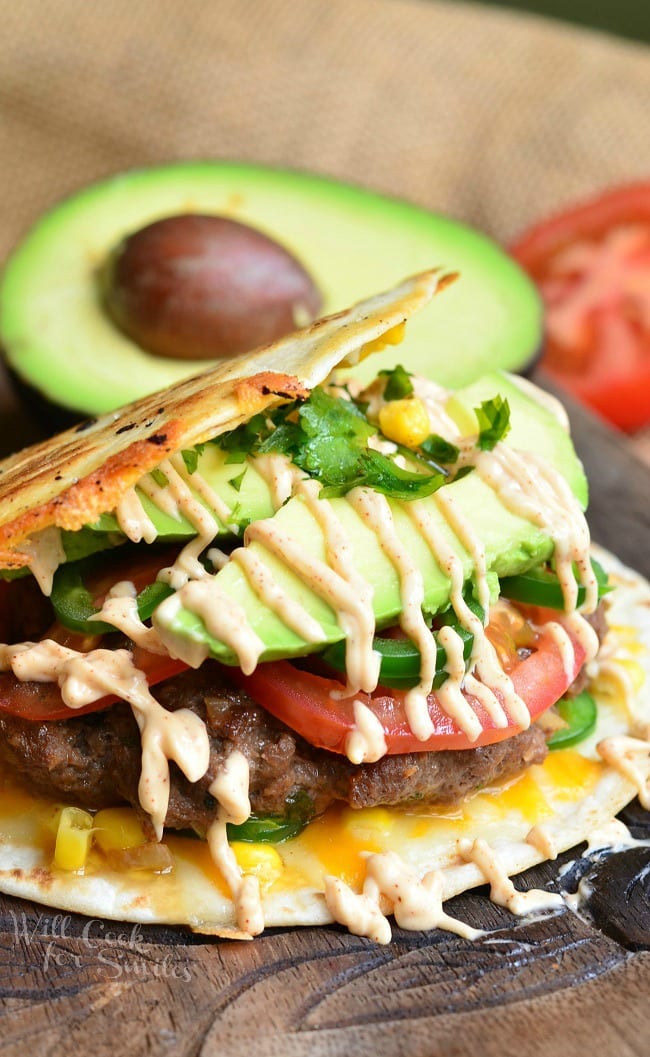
(94, 760)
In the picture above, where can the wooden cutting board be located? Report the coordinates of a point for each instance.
(558, 986)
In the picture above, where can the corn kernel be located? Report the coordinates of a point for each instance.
(73, 839)
(118, 828)
(261, 860)
(391, 337)
(405, 421)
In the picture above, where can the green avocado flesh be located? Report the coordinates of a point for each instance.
(59, 340)
(511, 543)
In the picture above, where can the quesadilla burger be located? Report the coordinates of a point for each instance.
(284, 650)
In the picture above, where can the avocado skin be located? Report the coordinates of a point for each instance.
(511, 544)
(60, 342)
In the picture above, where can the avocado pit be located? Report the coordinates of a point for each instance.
(198, 287)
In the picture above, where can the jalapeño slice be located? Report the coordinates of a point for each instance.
(74, 604)
(401, 660)
(540, 587)
(580, 714)
(272, 829)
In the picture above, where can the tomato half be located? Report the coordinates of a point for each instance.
(592, 266)
(304, 702)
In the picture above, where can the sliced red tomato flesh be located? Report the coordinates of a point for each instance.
(304, 702)
(592, 266)
(42, 701)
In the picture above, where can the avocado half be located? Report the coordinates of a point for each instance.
(60, 342)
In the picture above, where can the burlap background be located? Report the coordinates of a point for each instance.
(487, 115)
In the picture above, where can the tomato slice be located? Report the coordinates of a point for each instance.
(592, 266)
(42, 701)
(304, 702)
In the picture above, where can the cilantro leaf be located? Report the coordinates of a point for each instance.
(236, 482)
(324, 414)
(243, 441)
(191, 457)
(382, 474)
(327, 437)
(439, 449)
(494, 422)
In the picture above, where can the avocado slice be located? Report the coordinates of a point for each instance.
(512, 544)
(61, 343)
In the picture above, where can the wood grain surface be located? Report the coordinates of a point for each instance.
(561, 985)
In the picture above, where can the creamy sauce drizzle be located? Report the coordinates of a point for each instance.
(434, 398)
(354, 614)
(366, 742)
(46, 553)
(539, 838)
(375, 510)
(392, 887)
(187, 566)
(185, 495)
(450, 693)
(281, 477)
(275, 598)
(132, 519)
(484, 660)
(357, 619)
(502, 890)
(530, 488)
(223, 619)
(230, 790)
(564, 645)
(620, 752)
(121, 610)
